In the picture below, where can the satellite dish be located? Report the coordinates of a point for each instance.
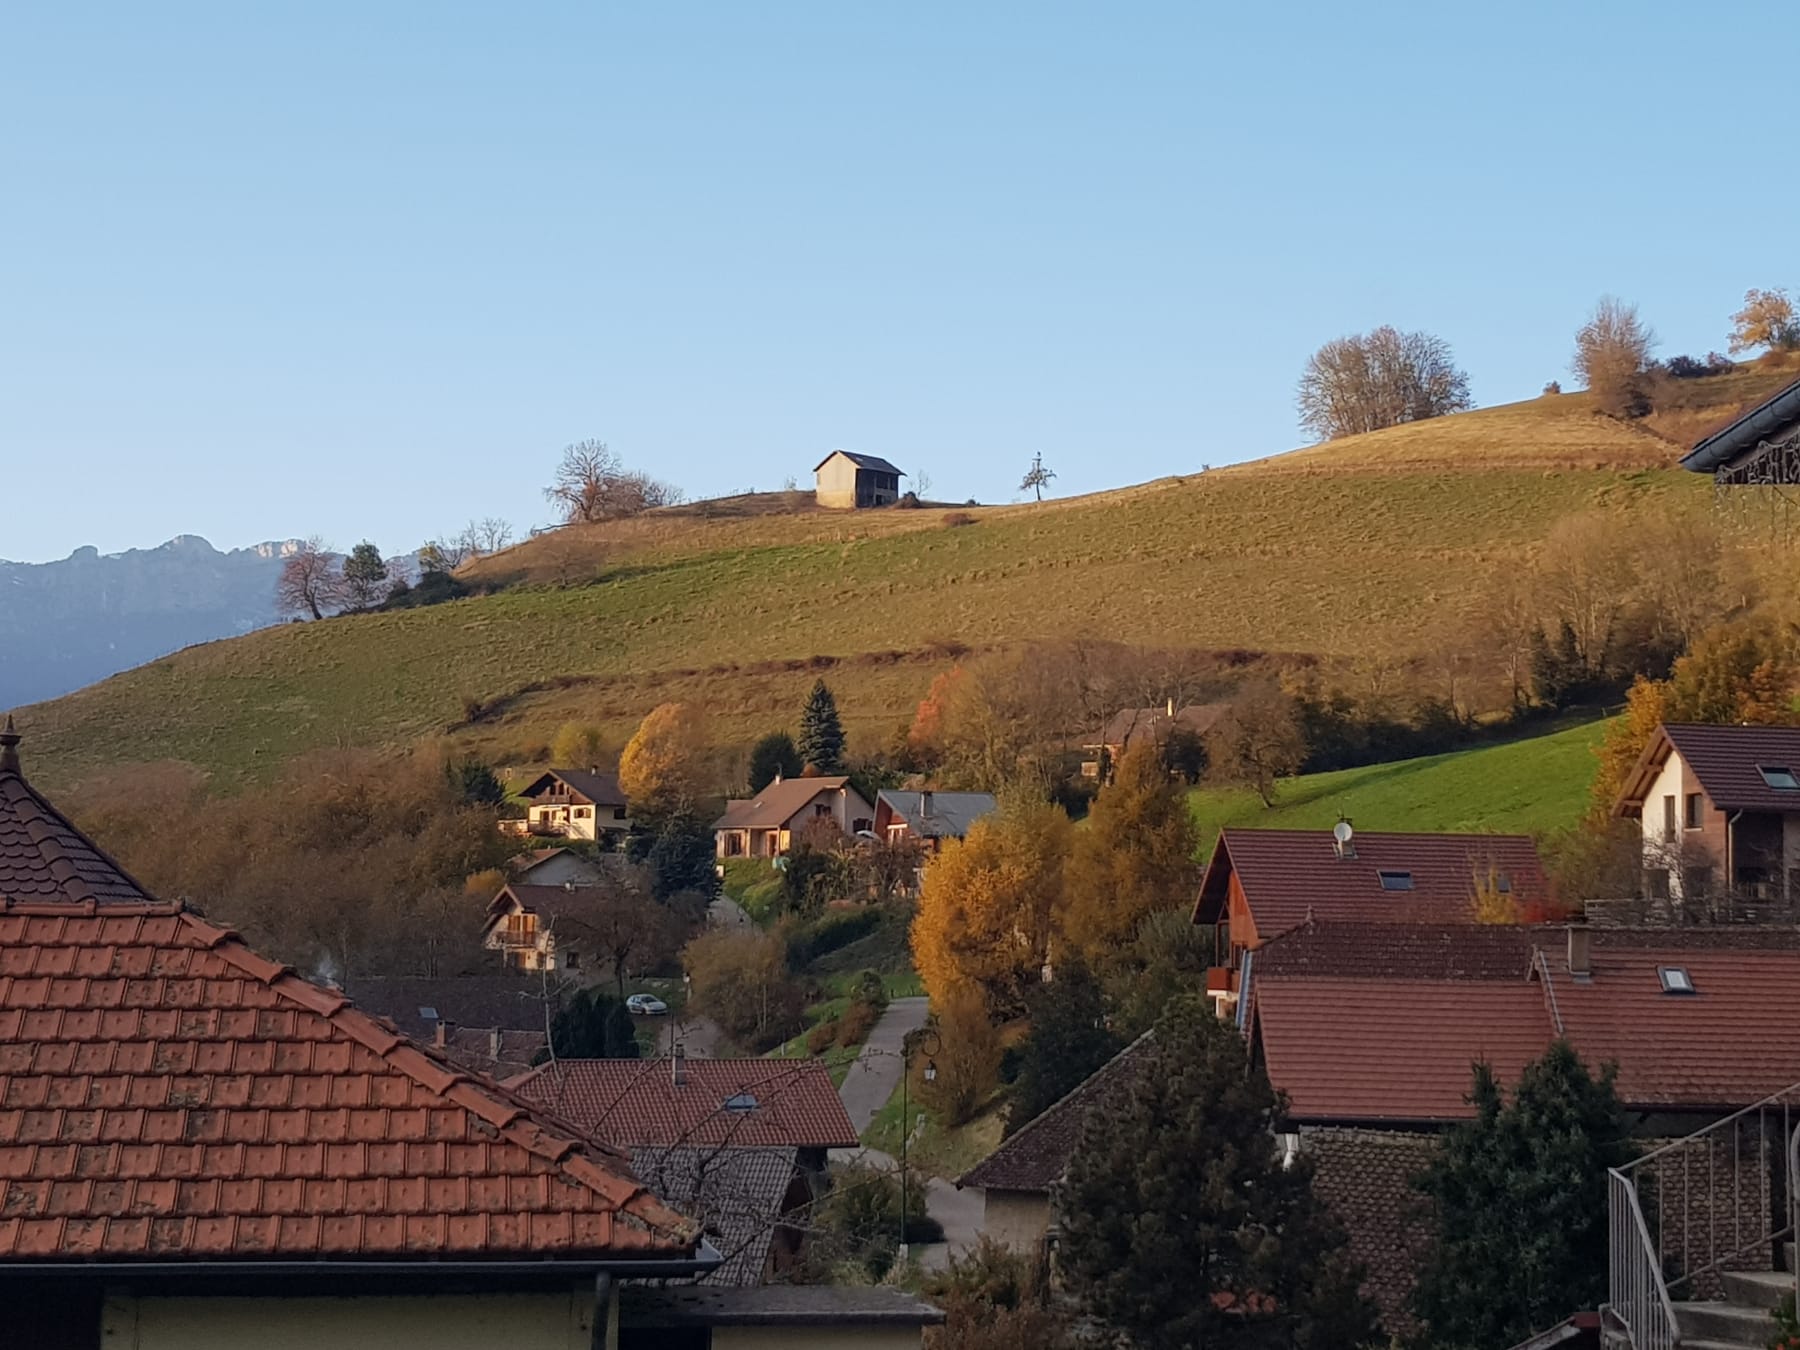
(1342, 832)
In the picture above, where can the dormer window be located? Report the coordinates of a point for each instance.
(1779, 777)
(1395, 881)
(1675, 980)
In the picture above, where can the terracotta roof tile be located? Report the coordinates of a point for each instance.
(1385, 1025)
(262, 1116)
(1288, 876)
(636, 1103)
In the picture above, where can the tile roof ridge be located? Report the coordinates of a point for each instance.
(120, 909)
(1055, 1106)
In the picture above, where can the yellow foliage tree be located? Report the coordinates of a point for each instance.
(987, 908)
(1766, 320)
(967, 1058)
(1135, 856)
(663, 766)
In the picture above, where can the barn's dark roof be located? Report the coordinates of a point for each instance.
(875, 462)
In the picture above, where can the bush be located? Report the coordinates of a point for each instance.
(1553, 387)
(909, 501)
(957, 519)
(741, 982)
(821, 1038)
(1694, 368)
(859, 1218)
(835, 928)
(854, 1026)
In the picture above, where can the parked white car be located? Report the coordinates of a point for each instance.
(645, 1005)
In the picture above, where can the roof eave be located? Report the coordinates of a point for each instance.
(1743, 434)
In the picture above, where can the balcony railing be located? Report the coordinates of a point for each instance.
(1721, 1199)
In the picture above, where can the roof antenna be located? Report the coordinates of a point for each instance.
(9, 748)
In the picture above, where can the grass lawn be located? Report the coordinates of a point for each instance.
(1357, 548)
(756, 885)
(1534, 786)
(935, 1150)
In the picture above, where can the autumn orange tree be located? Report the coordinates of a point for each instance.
(663, 766)
(1135, 856)
(987, 909)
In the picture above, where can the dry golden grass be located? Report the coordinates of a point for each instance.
(1354, 551)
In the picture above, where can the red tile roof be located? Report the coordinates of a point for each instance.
(635, 1103)
(166, 1094)
(42, 855)
(1379, 1026)
(1289, 875)
(1363, 1050)
(1725, 760)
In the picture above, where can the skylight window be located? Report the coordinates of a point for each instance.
(740, 1101)
(1779, 777)
(1675, 980)
(1395, 881)
(427, 1014)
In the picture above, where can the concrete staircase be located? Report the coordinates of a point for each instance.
(1742, 1319)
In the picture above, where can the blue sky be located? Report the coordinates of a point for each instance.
(362, 270)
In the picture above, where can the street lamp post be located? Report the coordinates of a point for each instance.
(929, 1043)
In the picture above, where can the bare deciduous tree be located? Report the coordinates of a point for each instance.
(592, 484)
(310, 582)
(1037, 477)
(1612, 356)
(489, 534)
(1370, 381)
(1258, 741)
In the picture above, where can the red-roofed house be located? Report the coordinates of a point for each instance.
(1260, 884)
(1372, 1032)
(182, 1120)
(1720, 812)
(764, 826)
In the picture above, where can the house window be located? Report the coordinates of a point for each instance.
(1669, 816)
(618, 813)
(1779, 777)
(1396, 881)
(860, 825)
(820, 809)
(571, 960)
(1503, 883)
(1696, 810)
(1675, 980)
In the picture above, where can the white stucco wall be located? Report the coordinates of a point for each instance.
(436, 1322)
(1019, 1219)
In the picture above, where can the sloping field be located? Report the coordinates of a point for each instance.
(1348, 550)
(1533, 786)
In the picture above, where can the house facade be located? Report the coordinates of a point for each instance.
(537, 927)
(766, 825)
(928, 817)
(575, 804)
(1719, 813)
(1154, 726)
(846, 480)
(553, 867)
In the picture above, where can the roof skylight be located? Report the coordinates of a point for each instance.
(1779, 777)
(1395, 880)
(1675, 980)
(740, 1101)
(427, 1013)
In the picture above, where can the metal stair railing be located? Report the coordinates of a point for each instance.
(1682, 1214)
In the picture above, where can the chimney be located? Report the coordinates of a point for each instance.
(568, 885)
(9, 748)
(495, 1043)
(1581, 956)
(442, 1031)
(678, 1065)
(925, 804)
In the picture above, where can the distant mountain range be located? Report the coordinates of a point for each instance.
(66, 624)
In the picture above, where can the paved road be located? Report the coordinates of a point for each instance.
(724, 912)
(876, 1073)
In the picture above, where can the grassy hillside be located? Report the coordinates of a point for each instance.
(1533, 786)
(1351, 549)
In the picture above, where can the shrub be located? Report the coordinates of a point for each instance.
(909, 501)
(955, 519)
(836, 928)
(1694, 368)
(854, 1026)
(1553, 387)
(821, 1038)
(859, 1218)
